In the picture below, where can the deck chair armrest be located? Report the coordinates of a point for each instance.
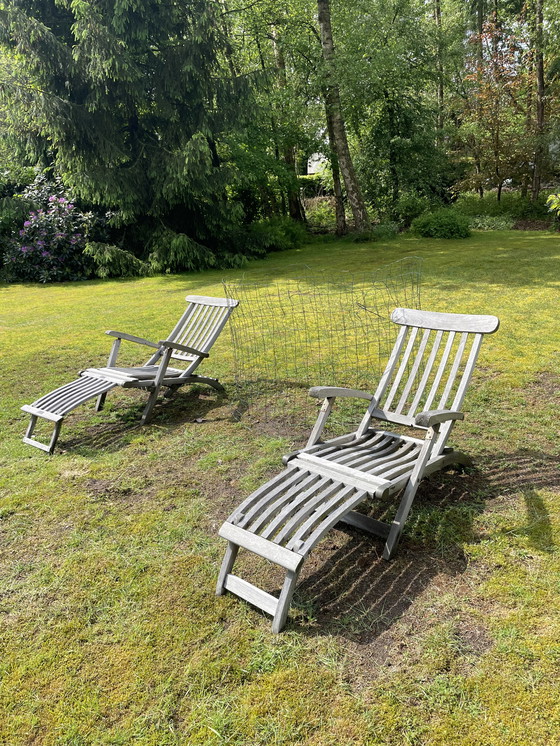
(182, 348)
(132, 338)
(331, 392)
(437, 417)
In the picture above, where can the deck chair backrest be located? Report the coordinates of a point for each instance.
(201, 324)
(430, 366)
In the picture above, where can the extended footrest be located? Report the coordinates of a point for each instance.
(282, 521)
(55, 405)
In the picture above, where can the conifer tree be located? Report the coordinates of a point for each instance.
(132, 101)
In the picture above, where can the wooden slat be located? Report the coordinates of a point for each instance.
(305, 510)
(453, 373)
(451, 322)
(288, 476)
(461, 391)
(267, 509)
(249, 592)
(341, 473)
(263, 547)
(426, 375)
(440, 371)
(333, 517)
(309, 526)
(381, 440)
(359, 461)
(209, 301)
(402, 367)
(411, 381)
(287, 504)
(405, 452)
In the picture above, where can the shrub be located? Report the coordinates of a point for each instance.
(311, 185)
(511, 203)
(491, 222)
(379, 232)
(444, 223)
(321, 214)
(275, 234)
(49, 247)
(408, 207)
(553, 203)
(111, 261)
(13, 211)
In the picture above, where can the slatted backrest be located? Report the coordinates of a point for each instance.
(430, 366)
(201, 324)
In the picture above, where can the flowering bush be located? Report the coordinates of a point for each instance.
(49, 247)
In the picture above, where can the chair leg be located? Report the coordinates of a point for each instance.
(56, 433)
(100, 403)
(227, 566)
(30, 440)
(146, 414)
(400, 519)
(31, 426)
(285, 600)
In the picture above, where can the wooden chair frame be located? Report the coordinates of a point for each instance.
(189, 342)
(431, 364)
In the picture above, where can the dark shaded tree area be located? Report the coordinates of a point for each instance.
(190, 121)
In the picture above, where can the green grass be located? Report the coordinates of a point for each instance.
(109, 629)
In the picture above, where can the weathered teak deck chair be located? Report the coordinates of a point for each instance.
(423, 387)
(190, 341)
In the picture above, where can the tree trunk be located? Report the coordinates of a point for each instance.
(334, 111)
(540, 154)
(341, 227)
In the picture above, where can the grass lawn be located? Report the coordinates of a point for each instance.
(109, 629)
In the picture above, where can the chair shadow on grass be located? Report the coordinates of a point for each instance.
(347, 588)
(114, 427)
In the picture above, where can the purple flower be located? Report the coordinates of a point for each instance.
(40, 244)
(61, 200)
(45, 253)
(24, 249)
(52, 198)
(22, 232)
(27, 224)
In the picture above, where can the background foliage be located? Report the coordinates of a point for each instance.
(191, 123)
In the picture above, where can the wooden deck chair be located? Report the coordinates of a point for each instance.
(423, 387)
(189, 342)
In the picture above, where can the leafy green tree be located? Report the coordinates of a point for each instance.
(136, 107)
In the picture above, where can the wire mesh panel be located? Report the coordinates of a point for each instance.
(315, 328)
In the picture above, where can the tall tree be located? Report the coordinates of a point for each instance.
(132, 102)
(334, 115)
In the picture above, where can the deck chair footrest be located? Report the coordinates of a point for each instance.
(37, 444)
(249, 592)
(46, 415)
(263, 547)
